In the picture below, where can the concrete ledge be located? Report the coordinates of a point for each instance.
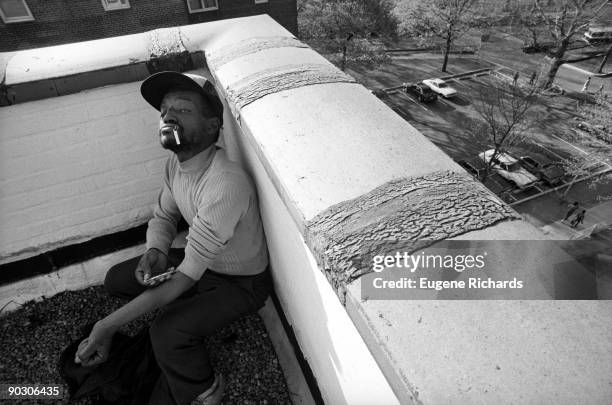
(71, 278)
(346, 372)
(56, 83)
(298, 388)
(323, 144)
(61, 86)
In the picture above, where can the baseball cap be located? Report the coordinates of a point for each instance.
(155, 87)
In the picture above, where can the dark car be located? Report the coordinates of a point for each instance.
(421, 91)
(494, 182)
(551, 172)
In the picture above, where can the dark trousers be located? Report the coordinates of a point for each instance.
(569, 213)
(177, 334)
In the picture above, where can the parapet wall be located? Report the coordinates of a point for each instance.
(61, 22)
(325, 140)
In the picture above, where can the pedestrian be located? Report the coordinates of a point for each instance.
(516, 77)
(600, 91)
(578, 218)
(221, 275)
(586, 84)
(571, 209)
(532, 78)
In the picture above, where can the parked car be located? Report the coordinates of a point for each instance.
(420, 91)
(493, 182)
(440, 87)
(509, 168)
(598, 35)
(551, 172)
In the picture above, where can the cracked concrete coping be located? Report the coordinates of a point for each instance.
(400, 215)
(248, 46)
(280, 78)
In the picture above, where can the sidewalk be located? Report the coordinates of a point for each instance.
(596, 219)
(587, 72)
(506, 53)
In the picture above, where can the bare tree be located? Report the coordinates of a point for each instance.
(446, 20)
(597, 119)
(564, 19)
(348, 32)
(504, 120)
(530, 23)
(604, 59)
(583, 167)
(593, 134)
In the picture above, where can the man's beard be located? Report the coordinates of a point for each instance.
(172, 137)
(173, 147)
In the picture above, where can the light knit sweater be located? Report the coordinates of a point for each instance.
(219, 202)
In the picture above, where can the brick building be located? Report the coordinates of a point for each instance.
(26, 24)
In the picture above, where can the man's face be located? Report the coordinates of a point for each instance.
(188, 110)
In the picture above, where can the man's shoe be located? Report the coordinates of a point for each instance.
(213, 395)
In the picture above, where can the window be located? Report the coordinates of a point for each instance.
(514, 167)
(15, 11)
(115, 4)
(260, 1)
(195, 6)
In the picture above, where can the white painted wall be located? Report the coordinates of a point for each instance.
(76, 167)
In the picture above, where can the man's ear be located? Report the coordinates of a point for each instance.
(212, 124)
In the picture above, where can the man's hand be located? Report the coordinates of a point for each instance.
(95, 349)
(153, 262)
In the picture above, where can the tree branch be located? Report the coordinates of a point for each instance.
(538, 7)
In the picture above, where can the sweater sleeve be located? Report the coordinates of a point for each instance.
(215, 222)
(162, 227)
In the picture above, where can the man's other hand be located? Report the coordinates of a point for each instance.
(153, 262)
(95, 349)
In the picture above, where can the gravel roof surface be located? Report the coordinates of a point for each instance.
(34, 336)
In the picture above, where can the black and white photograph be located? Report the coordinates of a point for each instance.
(306, 202)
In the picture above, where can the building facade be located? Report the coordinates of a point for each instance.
(26, 24)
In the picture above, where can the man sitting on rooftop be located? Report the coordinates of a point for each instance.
(222, 273)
